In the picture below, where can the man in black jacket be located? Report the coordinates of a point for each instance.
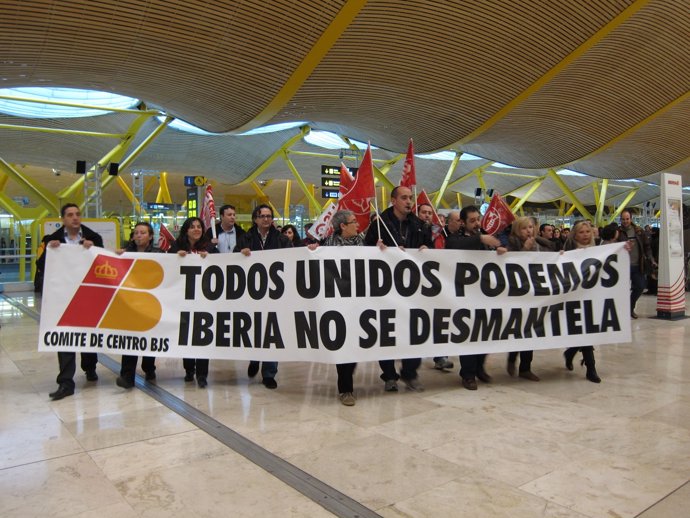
(72, 232)
(227, 233)
(471, 238)
(262, 236)
(400, 227)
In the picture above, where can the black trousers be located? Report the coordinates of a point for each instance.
(471, 365)
(68, 366)
(408, 371)
(345, 373)
(128, 367)
(200, 366)
(525, 359)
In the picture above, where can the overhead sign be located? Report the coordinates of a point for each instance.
(192, 181)
(334, 170)
(160, 206)
(330, 182)
(330, 193)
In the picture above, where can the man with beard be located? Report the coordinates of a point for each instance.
(471, 238)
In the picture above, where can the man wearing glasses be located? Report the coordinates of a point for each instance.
(262, 236)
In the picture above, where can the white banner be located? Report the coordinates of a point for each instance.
(333, 305)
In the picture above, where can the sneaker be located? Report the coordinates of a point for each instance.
(347, 399)
(414, 384)
(201, 381)
(91, 375)
(391, 386)
(151, 376)
(124, 383)
(189, 375)
(442, 364)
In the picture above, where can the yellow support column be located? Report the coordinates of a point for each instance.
(566, 190)
(312, 200)
(265, 199)
(599, 216)
(623, 205)
(535, 185)
(286, 204)
(446, 180)
(163, 195)
(45, 198)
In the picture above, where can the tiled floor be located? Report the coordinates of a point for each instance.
(563, 447)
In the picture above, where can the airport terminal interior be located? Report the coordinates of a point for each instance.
(568, 110)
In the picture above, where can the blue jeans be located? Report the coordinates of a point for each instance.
(269, 369)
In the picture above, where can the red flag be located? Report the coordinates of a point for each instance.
(208, 209)
(437, 230)
(409, 177)
(346, 179)
(362, 190)
(165, 239)
(498, 216)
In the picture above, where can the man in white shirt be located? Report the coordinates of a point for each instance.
(227, 233)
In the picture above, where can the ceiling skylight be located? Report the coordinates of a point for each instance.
(35, 110)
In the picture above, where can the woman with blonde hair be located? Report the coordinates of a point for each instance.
(523, 239)
(581, 236)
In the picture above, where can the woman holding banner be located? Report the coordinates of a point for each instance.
(142, 242)
(523, 239)
(193, 240)
(345, 233)
(581, 236)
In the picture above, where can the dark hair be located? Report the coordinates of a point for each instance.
(628, 211)
(608, 232)
(295, 235)
(224, 208)
(67, 206)
(182, 240)
(466, 211)
(424, 204)
(544, 225)
(258, 208)
(148, 227)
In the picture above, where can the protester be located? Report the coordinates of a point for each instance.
(426, 213)
(471, 238)
(262, 236)
(193, 240)
(227, 232)
(400, 227)
(581, 237)
(345, 233)
(142, 242)
(72, 232)
(522, 239)
(290, 231)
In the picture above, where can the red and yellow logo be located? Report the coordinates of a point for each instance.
(112, 295)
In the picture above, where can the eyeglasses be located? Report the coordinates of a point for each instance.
(351, 222)
(265, 216)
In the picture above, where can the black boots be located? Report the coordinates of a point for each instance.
(588, 354)
(569, 356)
